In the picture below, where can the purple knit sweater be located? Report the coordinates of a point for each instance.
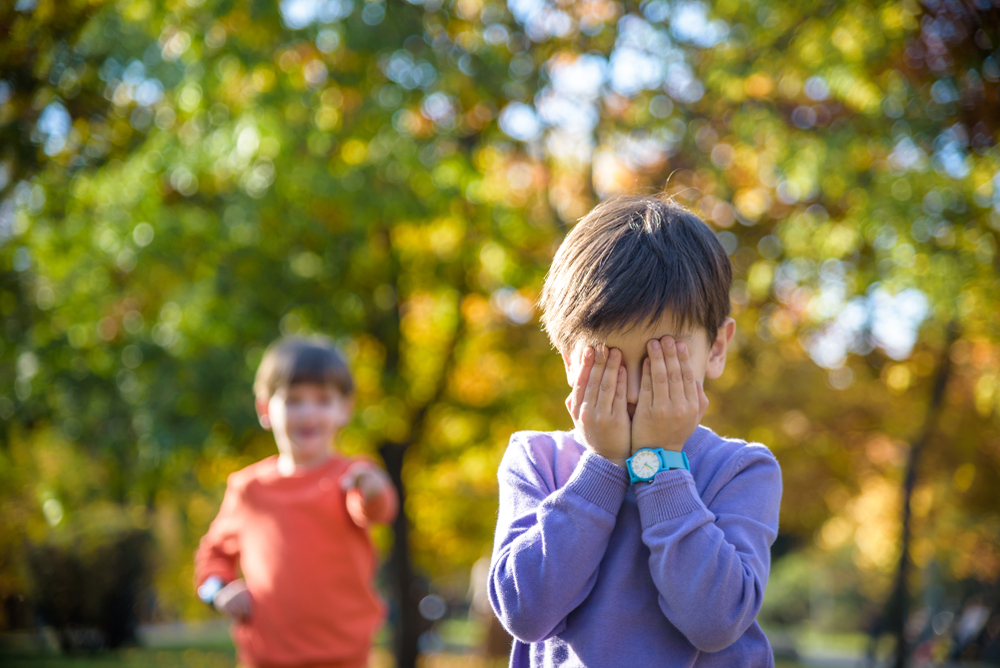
(588, 571)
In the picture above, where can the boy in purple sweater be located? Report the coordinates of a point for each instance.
(639, 538)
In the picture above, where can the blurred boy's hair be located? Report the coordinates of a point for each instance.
(626, 263)
(296, 359)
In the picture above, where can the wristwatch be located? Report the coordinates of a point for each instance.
(210, 588)
(647, 462)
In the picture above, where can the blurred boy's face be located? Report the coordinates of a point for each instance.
(305, 418)
(708, 360)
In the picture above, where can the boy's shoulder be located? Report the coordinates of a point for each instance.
(238, 480)
(719, 460)
(545, 445)
(727, 449)
(549, 455)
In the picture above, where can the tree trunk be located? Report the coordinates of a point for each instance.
(894, 617)
(400, 565)
(410, 623)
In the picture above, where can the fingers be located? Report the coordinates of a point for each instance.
(601, 414)
(675, 379)
(658, 368)
(687, 372)
(349, 480)
(672, 400)
(576, 396)
(355, 476)
(599, 357)
(372, 483)
(609, 383)
(646, 385)
(620, 405)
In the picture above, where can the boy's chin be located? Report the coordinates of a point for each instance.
(310, 449)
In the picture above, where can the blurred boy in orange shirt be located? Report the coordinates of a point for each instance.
(297, 523)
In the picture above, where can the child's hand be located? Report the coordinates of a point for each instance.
(367, 479)
(671, 403)
(598, 404)
(234, 600)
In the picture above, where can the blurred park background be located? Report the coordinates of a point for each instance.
(183, 181)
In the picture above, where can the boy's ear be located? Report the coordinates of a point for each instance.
(568, 363)
(572, 359)
(260, 403)
(717, 354)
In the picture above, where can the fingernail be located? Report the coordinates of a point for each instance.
(654, 344)
(589, 352)
(669, 343)
(681, 347)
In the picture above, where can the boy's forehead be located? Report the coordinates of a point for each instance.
(666, 325)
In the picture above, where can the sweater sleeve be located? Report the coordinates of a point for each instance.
(550, 542)
(710, 565)
(218, 552)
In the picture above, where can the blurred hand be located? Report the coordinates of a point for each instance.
(370, 480)
(234, 600)
(598, 404)
(671, 402)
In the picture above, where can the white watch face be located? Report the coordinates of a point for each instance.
(645, 464)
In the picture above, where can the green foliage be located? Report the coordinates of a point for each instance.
(230, 175)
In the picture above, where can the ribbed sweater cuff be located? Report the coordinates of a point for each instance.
(599, 481)
(672, 494)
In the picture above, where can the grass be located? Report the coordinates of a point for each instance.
(205, 658)
(209, 646)
(128, 658)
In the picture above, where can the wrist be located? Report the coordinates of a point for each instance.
(652, 445)
(617, 461)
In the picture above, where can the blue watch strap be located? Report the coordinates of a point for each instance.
(672, 459)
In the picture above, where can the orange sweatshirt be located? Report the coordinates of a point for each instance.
(303, 548)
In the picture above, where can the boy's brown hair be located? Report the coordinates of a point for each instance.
(628, 261)
(297, 359)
